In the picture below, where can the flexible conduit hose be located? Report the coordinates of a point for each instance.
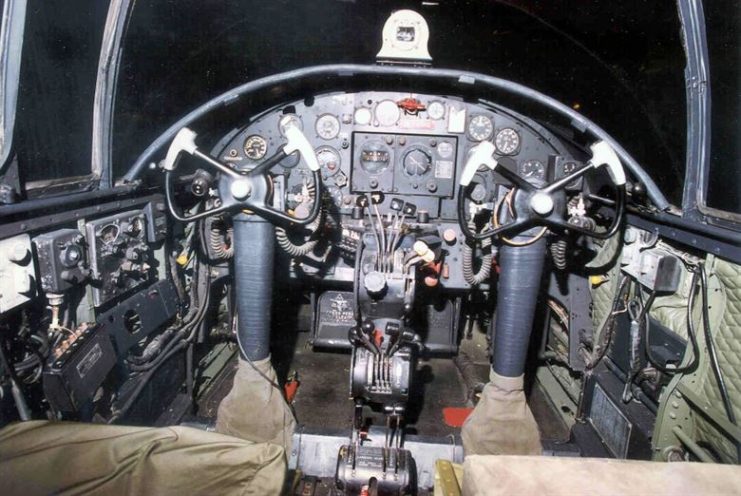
(517, 297)
(253, 279)
(299, 250)
(220, 238)
(471, 276)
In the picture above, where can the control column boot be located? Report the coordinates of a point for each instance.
(255, 408)
(502, 423)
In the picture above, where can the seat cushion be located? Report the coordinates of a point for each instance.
(544, 475)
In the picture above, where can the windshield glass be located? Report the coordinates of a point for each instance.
(620, 64)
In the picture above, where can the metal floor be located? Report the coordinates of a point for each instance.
(323, 404)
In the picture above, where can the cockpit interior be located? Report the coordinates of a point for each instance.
(379, 276)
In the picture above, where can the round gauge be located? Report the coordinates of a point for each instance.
(445, 149)
(327, 126)
(567, 168)
(480, 128)
(374, 157)
(507, 141)
(329, 160)
(436, 110)
(532, 169)
(109, 234)
(291, 160)
(289, 120)
(417, 161)
(387, 113)
(255, 147)
(363, 116)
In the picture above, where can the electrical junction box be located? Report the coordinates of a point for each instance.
(656, 269)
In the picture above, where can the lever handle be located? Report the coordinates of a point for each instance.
(481, 154)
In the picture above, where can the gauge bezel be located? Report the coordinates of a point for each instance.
(543, 168)
(516, 150)
(364, 110)
(470, 135)
(389, 103)
(442, 106)
(337, 129)
(445, 144)
(329, 149)
(377, 146)
(417, 148)
(257, 137)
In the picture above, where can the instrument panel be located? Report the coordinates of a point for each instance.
(401, 144)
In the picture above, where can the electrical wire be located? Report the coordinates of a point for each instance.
(495, 219)
(608, 328)
(382, 244)
(713, 355)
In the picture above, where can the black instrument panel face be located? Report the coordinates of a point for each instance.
(402, 144)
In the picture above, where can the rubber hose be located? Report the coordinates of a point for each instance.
(517, 298)
(254, 243)
(474, 278)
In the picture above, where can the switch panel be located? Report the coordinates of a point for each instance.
(17, 272)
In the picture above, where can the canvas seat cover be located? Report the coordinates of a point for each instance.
(42, 457)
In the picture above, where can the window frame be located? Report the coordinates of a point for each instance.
(12, 26)
(699, 108)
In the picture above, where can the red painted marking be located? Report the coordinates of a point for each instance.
(454, 417)
(378, 337)
(290, 389)
(411, 105)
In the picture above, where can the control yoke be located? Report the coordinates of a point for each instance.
(539, 207)
(250, 190)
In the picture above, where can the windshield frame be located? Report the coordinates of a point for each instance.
(699, 109)
(12, 26)
(690, 13)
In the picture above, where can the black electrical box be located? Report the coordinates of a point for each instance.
(62, 259)
(71, 379)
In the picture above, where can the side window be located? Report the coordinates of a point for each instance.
(59, 64)
(723, 21)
